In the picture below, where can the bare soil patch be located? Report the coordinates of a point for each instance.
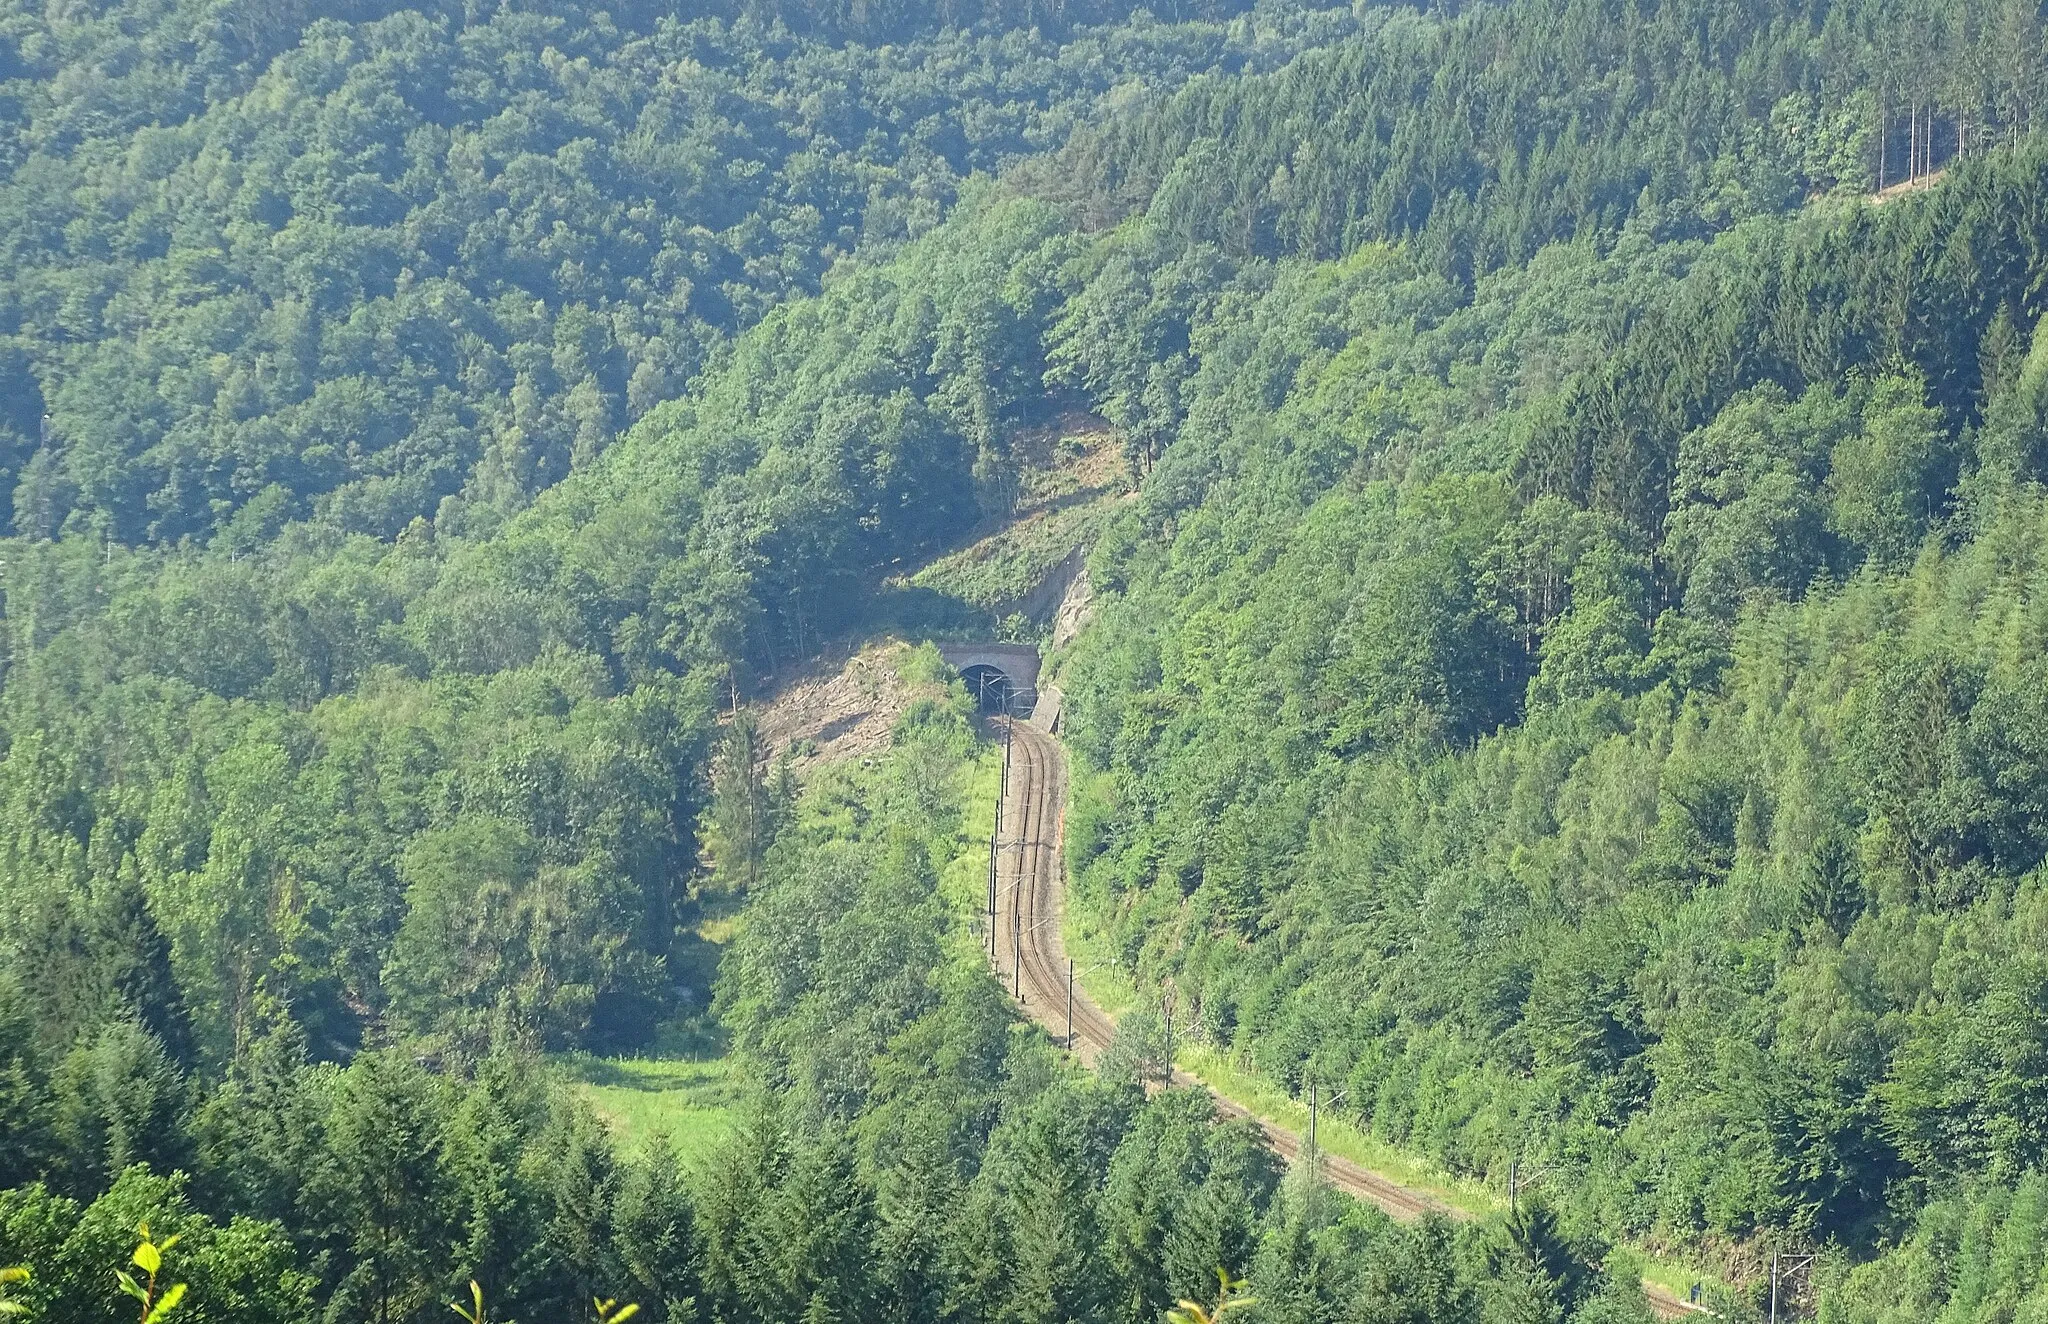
(839, 710)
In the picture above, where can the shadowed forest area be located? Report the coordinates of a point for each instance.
(1566, 674)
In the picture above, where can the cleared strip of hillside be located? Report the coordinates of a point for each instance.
(1073, 477)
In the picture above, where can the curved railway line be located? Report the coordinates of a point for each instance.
(1030, 957)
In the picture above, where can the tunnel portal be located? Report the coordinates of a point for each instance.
(1001, 677)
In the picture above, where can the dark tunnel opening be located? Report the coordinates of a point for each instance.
(992, 690)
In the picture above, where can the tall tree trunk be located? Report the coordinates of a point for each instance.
(1913, 144)
(1884, 133)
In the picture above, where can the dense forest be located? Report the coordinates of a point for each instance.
(267, 268)
(915, 1154)
(1483, 140)
(1594, 719)
(1567, 680)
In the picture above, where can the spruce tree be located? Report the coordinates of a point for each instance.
(1061, 1274)
(25, 1140)
(383, 1189)
(745, 806)
(121, 1100)
(654, 1229)
(59, 971)
(136, 959)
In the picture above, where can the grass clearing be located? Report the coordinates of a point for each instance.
(1095, 964)
(686, 1087)
(1336, 1134)
(697, 1104)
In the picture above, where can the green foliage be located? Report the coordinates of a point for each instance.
(1971, 1256)
(149, 1257)
(747, 808)
(119, 1101)
(26, 1141)
(1194, 1312)
(1489, 131)
(1746, 509)
(1594, 719)
(474, 1312)
(1569, 676)
(1540, 1274)
(351, 263)
(1877, 474)
(925, 1159)
(280, 855)
(239, 1271)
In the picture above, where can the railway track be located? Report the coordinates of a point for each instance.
(1030, 957)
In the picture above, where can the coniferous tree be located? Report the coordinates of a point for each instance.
(657, 1236)
(1061, 1273)
(25, 1102)
(382, 1189)
(120, 1101)
(739, 1259)
(746, 806)
(137, 960)
(582, 1195)
(59, 970)
(1541, 1275)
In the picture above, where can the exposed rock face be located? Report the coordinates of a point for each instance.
(1076, 600)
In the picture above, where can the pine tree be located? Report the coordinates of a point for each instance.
(120, 1101)
(383, 1188)
(1296, 1281)
(1216, 1227)
(654, 1226)
(582, 1186)
(25, 1140)
(738, 1265)
(821, 1224)
(58, 969)
(746, 808)
(1060, 1274)
(918, 1196)
(136, 958)
(1540, 1273)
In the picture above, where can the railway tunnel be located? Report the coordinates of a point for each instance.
(1001, 677)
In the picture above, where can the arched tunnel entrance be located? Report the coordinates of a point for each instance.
(1002, 677)
(992, 690)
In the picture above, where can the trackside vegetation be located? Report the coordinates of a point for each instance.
(1562, 488)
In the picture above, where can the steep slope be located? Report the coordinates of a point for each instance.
(1596, 724)
(1028, 954)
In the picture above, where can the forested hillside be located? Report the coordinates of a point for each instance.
(266, 264)
(1595, 720)
(1566, 681)
(1516, 126)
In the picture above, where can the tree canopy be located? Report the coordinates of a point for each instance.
(1564, 676)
